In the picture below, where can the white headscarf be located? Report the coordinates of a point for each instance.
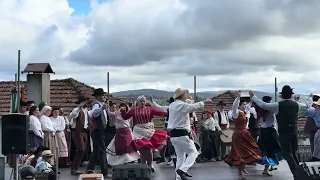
(142, 97)
(45, 109)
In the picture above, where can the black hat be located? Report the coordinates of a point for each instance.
(221, 103)
(81, 99)
(266, 98)
(287, 90)
(315, 98)
(98, 92)
(171, 100)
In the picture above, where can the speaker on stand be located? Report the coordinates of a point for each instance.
(15, 129)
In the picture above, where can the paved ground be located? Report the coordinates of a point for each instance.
(204, 171)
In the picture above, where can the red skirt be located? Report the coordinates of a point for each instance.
(243, 150)
(124, 142)
(157, 141)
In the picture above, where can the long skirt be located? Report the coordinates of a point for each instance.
(270, 147)
(316, 152)
(146, 135)
(34, 140)
(122, 148)
(244, 149)
(195, 139)
(63, 149)
(208, 146)
(49, 141)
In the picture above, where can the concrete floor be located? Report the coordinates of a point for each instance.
(203, 171)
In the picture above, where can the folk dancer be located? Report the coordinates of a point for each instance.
(79, 131)
(99, 120)
(146, 137)
(211, 131)
(179, 125)
(49, 139)
(111, 126)
(222, 117)
(314, 113)
(67, 132)
(122, 149)
(310, 125)
(168, 150)
(268, 139)
(59, 125)
(286, 112)
(35, 132)
(193, 122)
(244, 149)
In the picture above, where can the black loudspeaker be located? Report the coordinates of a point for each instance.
(15, 129)
(131, 171)
(308, 171)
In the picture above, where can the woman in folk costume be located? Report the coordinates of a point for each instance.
(244, 150)
(146, 137)
(59, 125)
(35, 131)
(314, 112)
(122, 148)
(209, 134)
(268, 140)
(193, 121)
(49, 139)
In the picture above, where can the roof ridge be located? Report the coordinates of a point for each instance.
(76, 87)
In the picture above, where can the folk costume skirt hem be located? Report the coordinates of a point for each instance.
(244, 149)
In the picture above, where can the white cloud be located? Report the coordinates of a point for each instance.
(162, 43)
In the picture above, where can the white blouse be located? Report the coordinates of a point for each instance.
(46, 124)
(35, 126)
(59, 123)
(211, 124)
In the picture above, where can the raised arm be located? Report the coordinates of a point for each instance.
(156, 105)
(235, 106)
(272, 107)
(157, 112)
(127, 115)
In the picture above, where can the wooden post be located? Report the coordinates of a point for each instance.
(108, 81)
(195, 88)
(275, 90)
(18, 83)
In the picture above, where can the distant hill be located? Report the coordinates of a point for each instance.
(166, 94)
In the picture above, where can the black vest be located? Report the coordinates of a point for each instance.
(287, 117)
(99, 123)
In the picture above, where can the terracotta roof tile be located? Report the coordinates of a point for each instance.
(64, 93)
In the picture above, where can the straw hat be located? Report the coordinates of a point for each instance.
(317, 102)
(47, 153)
(180, 92)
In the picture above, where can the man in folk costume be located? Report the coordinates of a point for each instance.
(179, 125)
(79, 130)
(286, 112)
(59, 125)
(99, 122)
(222, 116)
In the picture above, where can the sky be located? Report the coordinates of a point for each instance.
(162, 44)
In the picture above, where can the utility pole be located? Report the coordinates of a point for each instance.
(195, 89)
(275, 90)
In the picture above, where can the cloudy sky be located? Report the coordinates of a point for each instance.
(162, 44)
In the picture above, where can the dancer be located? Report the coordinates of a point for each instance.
(122, 148)
(314, 113)
(79, 132)
(99, 121)
(146, 137)
(179, 123)
(244, 149)
(168, 150)
(193, 122)
(286, 112)
(222, 117)
(268, 140)
(211, 132)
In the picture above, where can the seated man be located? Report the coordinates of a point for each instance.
(44, 166)
(36, 156)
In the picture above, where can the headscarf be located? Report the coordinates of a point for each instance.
(139, 98)
(42, 104)
(45, 109)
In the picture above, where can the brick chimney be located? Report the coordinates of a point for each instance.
(38, 82)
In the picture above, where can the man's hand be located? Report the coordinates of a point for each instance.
(251, 93)
(207, 100)
(105, 106)
(151, 99)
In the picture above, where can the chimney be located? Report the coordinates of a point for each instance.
(38, 82)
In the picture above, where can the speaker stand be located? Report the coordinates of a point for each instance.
(16, 168)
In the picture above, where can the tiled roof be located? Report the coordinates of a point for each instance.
(63, 93)
(38, 68)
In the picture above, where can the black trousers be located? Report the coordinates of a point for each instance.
(289, 147)
(99, 151)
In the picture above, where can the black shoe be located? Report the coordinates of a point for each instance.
(89, 171)
(182, 174)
